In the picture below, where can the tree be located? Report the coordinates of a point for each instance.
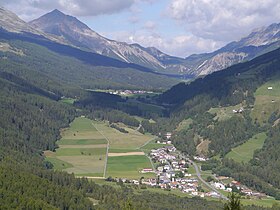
(233, 203)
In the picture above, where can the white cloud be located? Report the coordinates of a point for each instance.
(177, 46)
(29, 8)
(223, 20)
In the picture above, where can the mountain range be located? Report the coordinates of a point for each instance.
(80, 35)
(65, 29)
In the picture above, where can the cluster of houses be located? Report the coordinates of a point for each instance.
(172, 173)
(130, 92)
(240, 110)
(242, 188)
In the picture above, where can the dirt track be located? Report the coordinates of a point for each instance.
(125, 154)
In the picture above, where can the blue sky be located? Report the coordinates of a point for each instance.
(176, 27)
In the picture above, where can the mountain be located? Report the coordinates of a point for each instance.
(12, 23)
(258, 42)
(22, 43)
(80, 35)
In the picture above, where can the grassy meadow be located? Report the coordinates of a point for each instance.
(267, 101)
(83, 147)
(244, 153)
(128, 166)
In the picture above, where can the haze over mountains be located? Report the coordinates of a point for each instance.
(80, 35)
(66, 29)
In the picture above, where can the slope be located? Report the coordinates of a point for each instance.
(72, 67)
(80, 35)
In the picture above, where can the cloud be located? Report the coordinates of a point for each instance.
(177, 46)
(222, 20)
(150, 25)
(27, 8)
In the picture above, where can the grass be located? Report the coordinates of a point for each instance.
(267, 101)
(81, 141)
(122, 150)
(68, 100)
(152, 145)
(184, 125)
(128, 166)
(244, 153)
(268, 202)
(118, 140)
(80, 151)
(59, 164)
(224, 113)
(83, 145)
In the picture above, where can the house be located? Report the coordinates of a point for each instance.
(270, 88)
(247, 192)
(220, 186)
(188, 190)
(229, 189)
(167, 167)
(168, 135)
(147, 170)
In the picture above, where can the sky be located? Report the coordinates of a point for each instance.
(176, 27)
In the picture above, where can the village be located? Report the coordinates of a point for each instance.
(171, 170)
(130, 92)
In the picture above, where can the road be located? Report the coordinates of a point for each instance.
(147, 142)
(204, 182)
(107, 152)
(198, 174)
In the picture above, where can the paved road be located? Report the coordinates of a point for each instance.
(198, 173)
(204, 182)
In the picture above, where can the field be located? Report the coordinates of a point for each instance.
(184, 125)
(244, 153)
(122, 161)
(83, 150)
(224, 113)
(267, 101)
(128, 166)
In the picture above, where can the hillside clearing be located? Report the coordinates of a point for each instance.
(244, 153)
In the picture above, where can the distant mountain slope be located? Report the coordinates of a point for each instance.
(79, 34)
(24, 46)
(258, 42)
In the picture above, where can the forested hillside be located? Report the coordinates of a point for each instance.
(41, 61)
(221, 109)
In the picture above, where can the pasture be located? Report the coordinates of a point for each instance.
(82, 149)
(131, 140)
(267, 101)
(224, 113)
(128, 166)
(244, 153)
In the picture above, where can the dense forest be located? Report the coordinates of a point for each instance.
(236, 86)
(32, 83)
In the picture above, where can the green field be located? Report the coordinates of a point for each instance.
(82, 149)
(68, 100)
(128, 166)
(131, 140)
(152, 145)
(224, 113)
(244, 153)
(83, 146)
(267, 101)
(184, 125)
(81, 141)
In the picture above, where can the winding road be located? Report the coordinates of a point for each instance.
(198, 173)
